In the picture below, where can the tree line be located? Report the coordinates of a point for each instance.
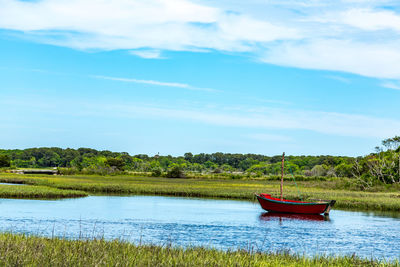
(382, 165)
(84, 158)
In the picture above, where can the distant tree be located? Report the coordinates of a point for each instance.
(331, 172)
(49, 158)
(5, 161)
(291, 168)
(116, 163)
(344, 169)
(175, 171)
(385, 166)
(137, 163)
(318, 170)
(156, 172)
(196, 167)
(142, 156)
(219, 158)
(247, 163)
(210, 165)
(392, 143)
(128, 160)
(91, 160)
(261, 168)
(164, 162)
(67, 156)
(76, 163)
(227, 168)
(188, 156)
(82, 151)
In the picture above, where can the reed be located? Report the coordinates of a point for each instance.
(386, 199)
(37, 192)
(22, 250)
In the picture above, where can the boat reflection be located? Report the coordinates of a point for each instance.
(268, 216)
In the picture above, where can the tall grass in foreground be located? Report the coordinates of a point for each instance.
(21, 250)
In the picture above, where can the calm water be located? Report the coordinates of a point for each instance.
(10, 184)
(222, 224)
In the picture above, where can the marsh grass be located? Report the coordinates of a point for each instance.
(37, 192)
(22, 250)
(386, 200)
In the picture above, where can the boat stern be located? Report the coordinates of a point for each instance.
(329, 206)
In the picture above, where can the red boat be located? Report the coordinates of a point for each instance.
(282, 205)
(272, 204)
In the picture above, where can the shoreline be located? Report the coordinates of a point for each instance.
(39, 186)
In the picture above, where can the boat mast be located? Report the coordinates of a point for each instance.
(283, 165)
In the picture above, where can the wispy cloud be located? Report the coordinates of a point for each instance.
(120, 24)
(391, 85)
(157, 83)
(150, 54)
(338, 78)
(367, 59)
(330, 123)
(351, 36)
(264, 121)
(270, 137)
(364, 18)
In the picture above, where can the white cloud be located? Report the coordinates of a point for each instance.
(262, 120)
(289, 119)
(391, 85)
(373, 60)
(352, 36)
(157, 83)
(123, 24)
(368, 19)
(153, 54)
(338, 78)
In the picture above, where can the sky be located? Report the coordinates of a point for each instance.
(174, 76)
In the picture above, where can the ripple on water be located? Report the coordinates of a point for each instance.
(221, 224)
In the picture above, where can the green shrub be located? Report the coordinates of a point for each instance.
(156, 172)
(5, 161)
(175, 171)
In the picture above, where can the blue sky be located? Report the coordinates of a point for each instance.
(312, 77)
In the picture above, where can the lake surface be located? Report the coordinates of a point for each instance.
(222, 224)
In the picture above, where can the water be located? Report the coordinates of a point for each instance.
(222, 224)
(10, 184)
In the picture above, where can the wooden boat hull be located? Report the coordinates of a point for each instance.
(272, 204)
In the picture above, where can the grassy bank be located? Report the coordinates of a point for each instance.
(37, 192)
(20, 250)
(386, 200)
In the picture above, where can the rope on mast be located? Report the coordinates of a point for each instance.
(282, 171)
(294, 179)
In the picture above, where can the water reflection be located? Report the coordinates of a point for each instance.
(268, 216)
(384, 214)
(222, 224)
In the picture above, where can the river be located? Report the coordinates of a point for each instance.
(222, 224)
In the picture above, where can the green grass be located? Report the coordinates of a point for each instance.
(386, 200)
(37, 192)
(21, 250)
